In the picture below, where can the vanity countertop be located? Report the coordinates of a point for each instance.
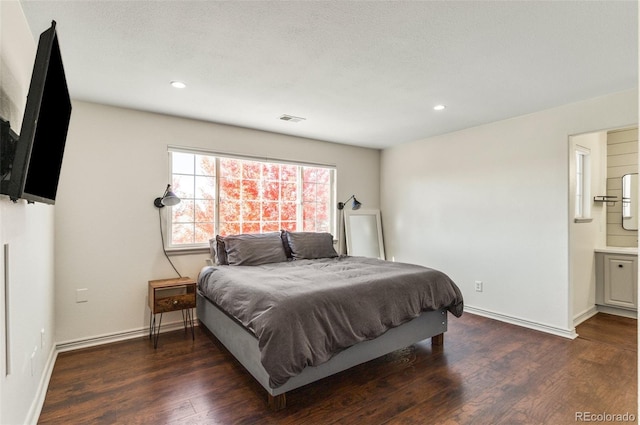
(618, 250)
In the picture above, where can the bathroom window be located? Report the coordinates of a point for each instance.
(583, 186)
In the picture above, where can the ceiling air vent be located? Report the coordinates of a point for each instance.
(291, 118)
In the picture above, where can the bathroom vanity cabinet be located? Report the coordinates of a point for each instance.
(617, 279)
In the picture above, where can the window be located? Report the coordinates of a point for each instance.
(193, 180)
(231, 195)
(583, 189)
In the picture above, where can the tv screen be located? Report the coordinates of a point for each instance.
(40, 146)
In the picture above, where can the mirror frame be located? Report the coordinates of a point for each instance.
(349, 229)
(629, 222)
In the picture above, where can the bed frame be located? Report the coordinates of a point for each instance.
(244, 347)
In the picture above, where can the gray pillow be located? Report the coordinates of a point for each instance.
(311, 245)
(254, 249)
(218, 253)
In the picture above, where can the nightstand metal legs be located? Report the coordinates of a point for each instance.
(154, 332)
(187, 321)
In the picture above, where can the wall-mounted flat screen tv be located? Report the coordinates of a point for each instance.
(39, 148)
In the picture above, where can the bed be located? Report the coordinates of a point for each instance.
(292, 311)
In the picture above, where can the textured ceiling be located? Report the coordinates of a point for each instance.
(361, 73)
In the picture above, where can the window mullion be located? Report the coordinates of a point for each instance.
(195, 196)
(299, 202)
(216, 203)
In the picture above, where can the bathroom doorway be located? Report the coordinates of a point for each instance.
(598, 164)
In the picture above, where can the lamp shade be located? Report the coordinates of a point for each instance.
(168, 199)
(356, 204)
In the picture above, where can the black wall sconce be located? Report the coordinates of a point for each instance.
(354, 205)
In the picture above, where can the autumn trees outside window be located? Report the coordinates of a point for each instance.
(230, 195)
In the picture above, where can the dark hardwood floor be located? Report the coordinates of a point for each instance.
(487, 373)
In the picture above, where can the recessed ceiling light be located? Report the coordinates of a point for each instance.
(439, 107)
(178, 84)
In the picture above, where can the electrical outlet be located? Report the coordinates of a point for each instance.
(478, 286)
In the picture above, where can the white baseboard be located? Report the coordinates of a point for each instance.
(585, 315)
(618, 311)
(565, 333)
(41, 391)
(77, 344)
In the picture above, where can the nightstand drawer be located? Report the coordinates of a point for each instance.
(164, 304)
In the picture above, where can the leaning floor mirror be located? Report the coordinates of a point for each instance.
(363, 232)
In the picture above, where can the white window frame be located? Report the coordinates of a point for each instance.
(582, 211)
(199, 246)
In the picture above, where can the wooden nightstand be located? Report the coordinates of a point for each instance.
(171, 295)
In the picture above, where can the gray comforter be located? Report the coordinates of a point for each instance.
(305, 311)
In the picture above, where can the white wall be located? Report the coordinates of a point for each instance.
(490, 203)
(108, 241)
(29, 232)
(585, 237)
